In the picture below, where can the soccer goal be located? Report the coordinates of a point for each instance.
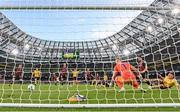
(90, 54)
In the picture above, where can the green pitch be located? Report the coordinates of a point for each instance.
(58, 94)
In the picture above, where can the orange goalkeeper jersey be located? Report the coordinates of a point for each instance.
(124, 70)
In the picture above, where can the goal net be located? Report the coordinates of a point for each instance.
(89, 53)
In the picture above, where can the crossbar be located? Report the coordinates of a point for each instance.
(83, 8)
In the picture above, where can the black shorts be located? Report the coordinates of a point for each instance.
(144, 75)
(89, 78)
(139, 80)
(163, 87)
(37, 78)
(74, 78)
(63, 78)
(17, 77)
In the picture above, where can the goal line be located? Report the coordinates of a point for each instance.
(89, 105)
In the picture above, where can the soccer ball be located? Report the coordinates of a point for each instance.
(31, 87)
(80, 97)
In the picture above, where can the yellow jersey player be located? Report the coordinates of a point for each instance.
(75, 73)
(165, 82)
(36, 74)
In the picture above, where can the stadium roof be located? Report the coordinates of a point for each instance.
(148, 28)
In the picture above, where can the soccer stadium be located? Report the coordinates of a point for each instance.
(89, 55)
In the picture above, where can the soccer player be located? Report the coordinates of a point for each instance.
(18, 74)
(1, 77)
(142, 68)
(105, 80)
(88, 76)
(55, 78)
(63, 73)
(123, 73)
(164, 82)
(37, 75)
(75, 73)
(96, 80)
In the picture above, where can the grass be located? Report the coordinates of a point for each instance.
(58, 94)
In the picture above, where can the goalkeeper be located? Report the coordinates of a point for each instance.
(163, 82)
(123, 73)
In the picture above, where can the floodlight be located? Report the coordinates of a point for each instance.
(175, 11)
(15, 51)
(27, 46)
(114, 47)
(149, 29)
(160, 20)
(126, 52)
